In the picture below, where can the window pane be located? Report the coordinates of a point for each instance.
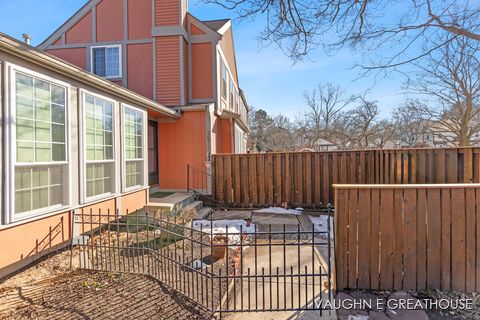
(58, 114)
(43, 152)
(35, 100)
(42, 90)
(24, 130)
(99, 62)
(113, 62)
(58, 152)
(24, 107)
(24, 85)
(25, 151)
(99, 126)
(134, 173)
(133, 144)
(58, 95)
(39, 187)
(99, 178)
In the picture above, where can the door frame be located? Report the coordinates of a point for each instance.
(153, 179)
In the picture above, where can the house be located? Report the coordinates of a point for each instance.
(159, 50)
(120, 98)
(71, 141)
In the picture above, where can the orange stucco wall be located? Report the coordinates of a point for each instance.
(110, 20)
(139, 19)
(228, 49)
(168, 70)
(202, 70)
(76, 56)
(81, 32)
(140, 69)
(20, 242)
(181, 142)
(23, 243)
(225, 136)
(133, 201)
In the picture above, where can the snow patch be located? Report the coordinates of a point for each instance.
(279, 210)
(320, 224)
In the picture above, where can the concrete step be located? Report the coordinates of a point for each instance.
(173, 203)
(190, 211)
(203, 213)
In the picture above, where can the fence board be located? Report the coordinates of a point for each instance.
(426, 237)
(305, 179)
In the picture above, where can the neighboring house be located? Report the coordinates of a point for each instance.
(319, 145)
(159, 50)
(71, 141)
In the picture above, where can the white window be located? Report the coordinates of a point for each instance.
(99, 147)
(232, 94)
(240, 145)
(39, 146)
(224, 81)
(106, 61)
(133, 147)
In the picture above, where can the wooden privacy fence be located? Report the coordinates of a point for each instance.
(306, 178)
(408, 237)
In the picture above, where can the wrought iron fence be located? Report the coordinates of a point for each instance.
(235, 267)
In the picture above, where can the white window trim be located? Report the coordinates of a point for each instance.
(83, 150)
(120, 60)
(144, 149)
(10, 148)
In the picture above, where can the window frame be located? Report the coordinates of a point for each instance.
(84, 199)
(120, 60)
(126, 189)
(11, 147)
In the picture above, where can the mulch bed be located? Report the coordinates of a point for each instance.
(96, 295)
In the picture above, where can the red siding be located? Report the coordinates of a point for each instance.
(201, 70)
(167, 12)
(195, 31)
(110, 20)
(140, 69)
(168, 70)
(185, 70)
(139, 19)
(77, 56)
(81, 32)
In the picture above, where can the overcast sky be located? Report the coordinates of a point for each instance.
(267, 76)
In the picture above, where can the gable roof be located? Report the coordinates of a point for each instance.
(24, 51)
(216, 25)
(77, 16)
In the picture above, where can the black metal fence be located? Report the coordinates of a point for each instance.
(235, 267)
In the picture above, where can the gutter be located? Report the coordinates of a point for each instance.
(29, 53)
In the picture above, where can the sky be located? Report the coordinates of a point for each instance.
(269, 79)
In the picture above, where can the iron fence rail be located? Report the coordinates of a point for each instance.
(245, 268)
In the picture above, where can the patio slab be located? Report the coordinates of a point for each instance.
(232, 215)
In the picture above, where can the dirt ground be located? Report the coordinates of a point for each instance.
(48, 290)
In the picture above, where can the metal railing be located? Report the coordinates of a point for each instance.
(239, 267)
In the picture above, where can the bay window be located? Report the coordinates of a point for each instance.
(99, 147)
(40, 160)
(133, 147)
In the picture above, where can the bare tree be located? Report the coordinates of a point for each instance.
(452, 78)
(411, 125)
(363, 127)
(325, 113)
(299, 26)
